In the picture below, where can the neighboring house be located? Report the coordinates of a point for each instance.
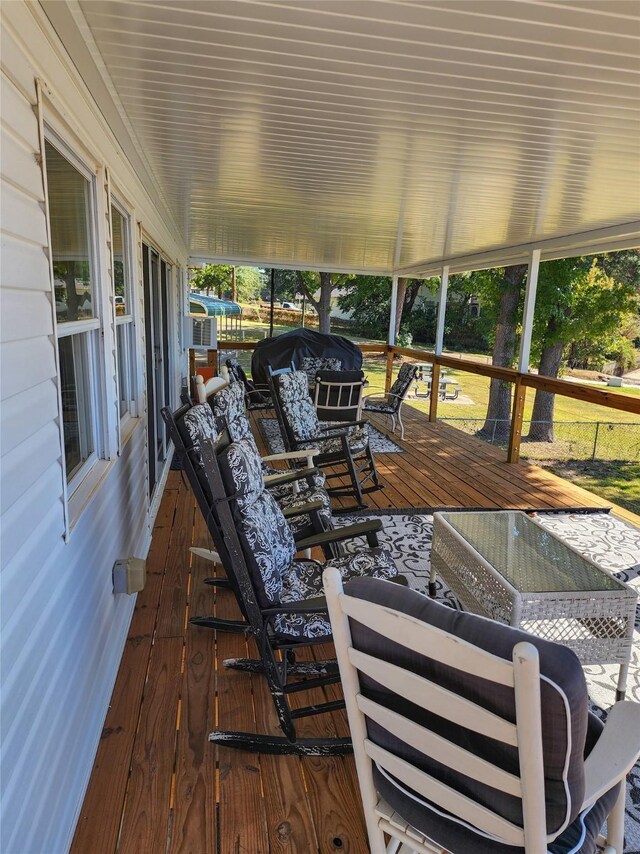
(84, 376)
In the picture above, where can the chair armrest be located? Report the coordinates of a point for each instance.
(292, 455)
(367, 529)
(304, 606)
(385, 395)
(615, 752)
(309, 507)
(289, 476)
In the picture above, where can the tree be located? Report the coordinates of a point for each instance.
(502, 289)
(310, 283)
(577, 304)
(219, 278)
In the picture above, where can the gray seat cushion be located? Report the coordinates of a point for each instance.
(565, 720)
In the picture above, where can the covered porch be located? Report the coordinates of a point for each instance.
(157, 783)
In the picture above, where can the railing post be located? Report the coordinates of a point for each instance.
(212, 361)
(388, 379)
(435, 391)
(519, 397)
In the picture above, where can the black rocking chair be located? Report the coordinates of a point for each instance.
(281, 597)
(343, 445)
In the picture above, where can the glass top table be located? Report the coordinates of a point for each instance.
(527, 555)
(505, 566)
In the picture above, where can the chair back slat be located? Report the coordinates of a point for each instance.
(434, 698)
(441, 749)
(444, 796)
(428, 640)
(338, 400)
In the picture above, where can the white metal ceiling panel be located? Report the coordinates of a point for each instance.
(373, 134)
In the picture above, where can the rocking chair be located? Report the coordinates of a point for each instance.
(280, 596)
(340, 445)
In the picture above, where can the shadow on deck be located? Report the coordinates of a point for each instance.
(157, 784)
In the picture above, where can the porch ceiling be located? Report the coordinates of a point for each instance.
(374, 135)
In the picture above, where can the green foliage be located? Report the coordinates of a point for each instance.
(216, 280)
(587, 310)
(368, 299)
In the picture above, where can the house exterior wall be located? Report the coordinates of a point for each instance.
(62, 628)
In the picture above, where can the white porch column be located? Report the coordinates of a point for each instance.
(529, 307)
(391, 338)
(442, 308)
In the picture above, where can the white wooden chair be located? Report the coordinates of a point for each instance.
(205, 388)
(470, 736)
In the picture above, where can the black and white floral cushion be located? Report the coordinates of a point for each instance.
(298, 524)
(312, 364)
(268, 543)
(242, 471)
(199, 423)
(304, 581)
(298, 407)
(303, 418)
(390, 403)
(229, 404)
(358, 440)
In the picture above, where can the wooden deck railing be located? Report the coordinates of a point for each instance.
(521, 381)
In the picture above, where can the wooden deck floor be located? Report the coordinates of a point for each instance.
(157, 784)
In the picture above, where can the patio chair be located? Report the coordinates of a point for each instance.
(345, 446)
(257, 396)
(338, 395)
(281, 596)
(205, 388)
(391, 403)
(186, 427)
(312, 364)
(473, 736)
(229, 404)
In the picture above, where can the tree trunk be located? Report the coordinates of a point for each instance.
(402, 289)
(541, 428)
(324, 305)
(234, 287)
(498, 419)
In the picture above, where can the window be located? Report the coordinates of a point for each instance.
(71, 199)
(123, 296)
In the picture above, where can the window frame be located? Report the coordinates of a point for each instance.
(127, 321)
(90, 328)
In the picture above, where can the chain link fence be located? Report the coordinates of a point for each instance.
(572, 440)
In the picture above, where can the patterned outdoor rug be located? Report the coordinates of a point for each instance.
(607, 540)
(379, 442)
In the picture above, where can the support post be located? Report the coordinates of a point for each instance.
(529, 308)
(391, 337)
(435, 368)
(435, 391)
(515, 437)
(442, 310)
(271, 300)
(212, 361)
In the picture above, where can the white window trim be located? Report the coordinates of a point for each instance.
(128, 421)
(77, 491)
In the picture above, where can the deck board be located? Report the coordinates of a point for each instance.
(158, 784)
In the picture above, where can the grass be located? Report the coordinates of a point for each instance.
(618, 482)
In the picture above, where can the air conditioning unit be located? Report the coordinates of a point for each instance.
(200, 333)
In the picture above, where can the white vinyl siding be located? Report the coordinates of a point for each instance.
(62, 628)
